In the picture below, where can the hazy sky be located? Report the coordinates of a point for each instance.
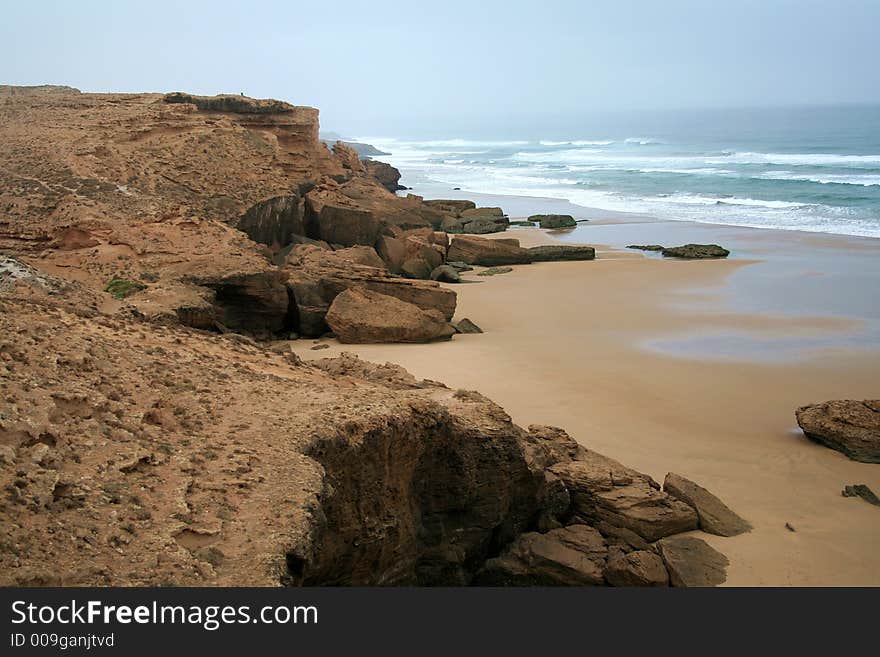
(376, 67)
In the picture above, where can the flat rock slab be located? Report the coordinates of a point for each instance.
(692, 562)
(492, 271)
(847, 425)
(695, 251)
(646, 247)
(861, 490)
(715, 517)
(554, 220)
(474, 250)
(561, 252)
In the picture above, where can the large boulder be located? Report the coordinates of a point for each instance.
(445, 274)
(384, 173)
(486, 252)
(847, 425)
(554, 220)
(483, 227)
(348, 226)
(715, 517)
(692, 562)
(695, 251)
(392, 251)
(361, 316)
(421, 247)
(451, 206)
(637, 568)
(349, 157)
(604, 490)
(317, 276)
(452, 225)
(561, 252)
(568, 556)
(486, 213)
(417, 268)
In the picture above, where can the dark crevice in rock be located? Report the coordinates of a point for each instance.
(251, 304)
(440, 496)
(274, 221)
(422, 501)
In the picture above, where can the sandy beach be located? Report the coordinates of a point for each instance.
(688, 367)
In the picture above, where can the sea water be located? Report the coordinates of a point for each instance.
(809, 169)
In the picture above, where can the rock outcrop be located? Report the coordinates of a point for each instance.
(385, 174)
(695, 251)
(145, 441)
(315, 277)
(715, 517)
(198, 199)
(847, 425)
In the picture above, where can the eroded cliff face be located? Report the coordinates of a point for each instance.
(138, 454)
(187, 196)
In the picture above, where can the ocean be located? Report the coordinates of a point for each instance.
(808, 169)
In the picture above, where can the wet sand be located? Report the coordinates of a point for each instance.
(576, 345)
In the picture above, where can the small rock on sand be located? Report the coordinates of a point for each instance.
(467, 326)
(861, 490)
(495, 270)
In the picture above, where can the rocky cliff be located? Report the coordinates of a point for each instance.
(147, 439)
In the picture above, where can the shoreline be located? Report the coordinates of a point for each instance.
(564, 345)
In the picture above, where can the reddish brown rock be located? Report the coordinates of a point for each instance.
(691, 562)
(361, 316)
(392, 251)
(847, 425)
(715, 517)
(316, 277)
(455, 207)
(348, 226)
(637, 568)
(604, 490)
(348, 156)
(569, 556)
(486, 252)
(385, 174)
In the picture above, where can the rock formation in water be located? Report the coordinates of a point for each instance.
(695, 251)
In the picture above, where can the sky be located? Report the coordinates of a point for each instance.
(447, 66)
